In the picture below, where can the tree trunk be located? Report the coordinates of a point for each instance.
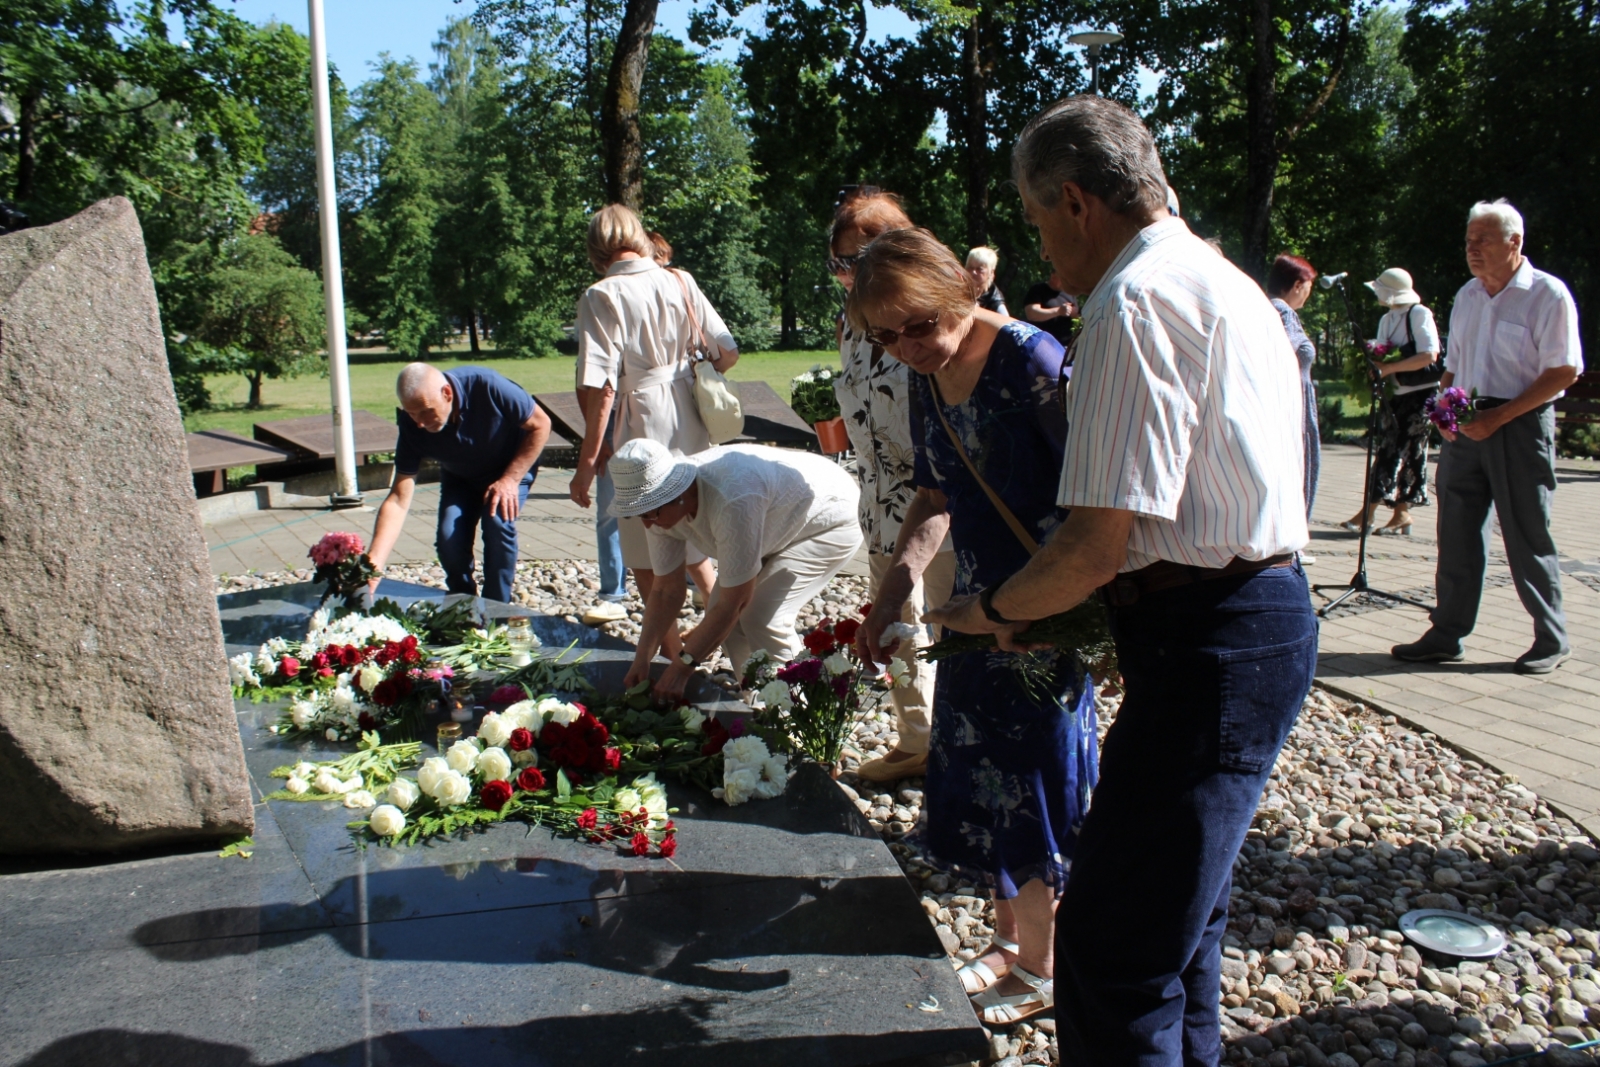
(619, 118)
(976, 76)
(254, 378)
(472, 329)
(786, 333)
(27, 145)
(1261, 153)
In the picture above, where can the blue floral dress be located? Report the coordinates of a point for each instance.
(1011, 764)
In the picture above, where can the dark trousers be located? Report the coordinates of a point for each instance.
(1215, 673)
(1514, 470)
(1400, 455)
(461, 511)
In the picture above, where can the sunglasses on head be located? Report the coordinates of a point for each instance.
(914, 331)
(844, 264)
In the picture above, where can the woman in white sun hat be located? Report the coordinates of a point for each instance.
(780, 523)
(1400, 455)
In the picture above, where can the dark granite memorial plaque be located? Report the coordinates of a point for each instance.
(782, 933)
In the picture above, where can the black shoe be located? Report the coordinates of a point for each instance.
(1431, 648)
(1531, 662)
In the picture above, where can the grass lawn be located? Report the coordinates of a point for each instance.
(372, 375)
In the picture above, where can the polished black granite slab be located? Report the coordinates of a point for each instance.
(781, 933)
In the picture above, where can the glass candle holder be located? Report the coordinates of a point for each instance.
(449, 733)
(519, 635)
(460, 701)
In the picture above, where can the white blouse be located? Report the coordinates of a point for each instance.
(634, 335)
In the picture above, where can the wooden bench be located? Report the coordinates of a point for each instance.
(1581, 405)
(212, 452)
(309, 441)
(767, 419)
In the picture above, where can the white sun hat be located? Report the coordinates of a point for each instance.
(1393, 288)
(646, 474)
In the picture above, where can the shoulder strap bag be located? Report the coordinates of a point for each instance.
(1428, 375)
(718, 403)
(994, 498)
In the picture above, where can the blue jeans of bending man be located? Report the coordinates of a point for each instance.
(608, 540)
(461, 511)
(1214, 673)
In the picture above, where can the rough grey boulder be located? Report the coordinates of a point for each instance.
(117, 729)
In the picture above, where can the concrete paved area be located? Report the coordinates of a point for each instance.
(1544, 730)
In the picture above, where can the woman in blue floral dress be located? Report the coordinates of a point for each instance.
(1013, 756)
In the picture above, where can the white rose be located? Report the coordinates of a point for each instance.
(522, 715)
(775, 694)
(402, 793)
(386, 820)
(774, 777)
(454, 788)
(463, 755)
(296, 785)
(739, 785)
(328, 782)
(526, 758)
(241, 671)
(627, 800)
(344, 699)
(371, 675)
(748, 750)
(565, 714)
(838, 664)
(429, 774)
(651, 793)
(495, 730)
(494, 765)
(693, 718)
(359, 798)
(302, 713)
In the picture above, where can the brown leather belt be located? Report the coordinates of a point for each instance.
(1126, 589)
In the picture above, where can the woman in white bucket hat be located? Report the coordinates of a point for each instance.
(780, 523)
(1400, 455)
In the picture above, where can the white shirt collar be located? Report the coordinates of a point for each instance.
(632, 266)
(1143, 241)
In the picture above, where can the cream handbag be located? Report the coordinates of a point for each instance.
(716, 399)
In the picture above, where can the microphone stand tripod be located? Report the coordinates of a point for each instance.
(1359, 583)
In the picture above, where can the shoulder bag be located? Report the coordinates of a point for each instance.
(1428, 375)
(716, 399)
(994, 498)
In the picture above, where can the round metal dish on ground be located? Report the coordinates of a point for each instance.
(1452, 933)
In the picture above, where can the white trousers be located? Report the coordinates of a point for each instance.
(786, 582)
(913, 705)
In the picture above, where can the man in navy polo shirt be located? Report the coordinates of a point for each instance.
(486, 433)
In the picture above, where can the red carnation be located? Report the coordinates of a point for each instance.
(641, 844)
(668, 845)
(865, 610)
(507, 694)
(495, 795)
(366, 721)
(349, 655)
(588, 818)
(612, 758)
(820, 642)
(844, 631)
(319, 661)
(716, 736)
(383, 694)
(530, 780)
(289, 666)
(521, 739)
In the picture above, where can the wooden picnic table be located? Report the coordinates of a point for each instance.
(212, 452)
(766, 417)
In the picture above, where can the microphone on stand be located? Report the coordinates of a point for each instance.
(1328, 281)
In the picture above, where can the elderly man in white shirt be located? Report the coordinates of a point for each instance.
(1183, 474)
(779, 523)
(1514, 343)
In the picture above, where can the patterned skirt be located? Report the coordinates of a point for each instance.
(1013, 760)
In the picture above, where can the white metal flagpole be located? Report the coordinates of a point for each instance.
(346, 493)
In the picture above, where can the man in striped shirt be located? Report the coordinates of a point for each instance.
(1183, 470)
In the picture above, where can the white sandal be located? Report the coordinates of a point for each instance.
(976, 976)
(997, 1010)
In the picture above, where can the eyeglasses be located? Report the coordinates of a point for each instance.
(914, 331)
(844, 264)
(654, 515)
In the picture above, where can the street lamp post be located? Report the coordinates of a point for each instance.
(1094, 41)
(346, 492)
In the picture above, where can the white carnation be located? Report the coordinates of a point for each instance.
(331, 733)
(277, 646)
(386, 820)
(774, 777)
(454, 789)
(359, 798)
(899, 672)
(402, 793)
(838, 664)
(739, 785)
(495, 730)
(328, 782)
(494, 765)
(775, 694)
(266, 663)
(241, 671)
(429, 774)
(463, 755)
(303, 713)
(745, 751)
(343, 699)
(296, 785)
(304, 770)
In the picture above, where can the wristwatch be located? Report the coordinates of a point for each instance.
(986, 602)
(686, 659)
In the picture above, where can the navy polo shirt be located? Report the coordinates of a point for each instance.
(483, 434)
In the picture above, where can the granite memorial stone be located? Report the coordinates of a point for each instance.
(117, 728)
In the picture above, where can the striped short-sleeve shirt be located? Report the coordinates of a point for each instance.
(1185, 407)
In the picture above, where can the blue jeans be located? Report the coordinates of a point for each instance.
(461, 510)
(608, 542)
(1215, 673)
